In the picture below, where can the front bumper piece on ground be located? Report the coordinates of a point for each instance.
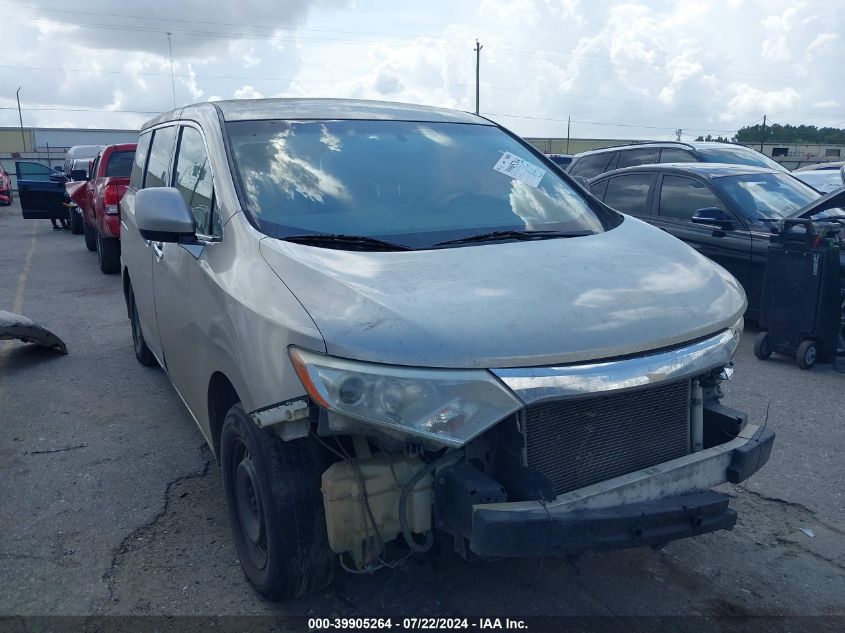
(17, 326)
(653, 506)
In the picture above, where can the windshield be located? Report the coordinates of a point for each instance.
(824, 180)
(733, 155)
(409, 183)
(770, 196)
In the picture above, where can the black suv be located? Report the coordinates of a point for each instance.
(599, 161)
(725, 212)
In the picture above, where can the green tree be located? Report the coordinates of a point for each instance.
(777, 133)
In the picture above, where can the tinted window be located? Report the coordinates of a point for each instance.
(598, 189)
(591, 165)
(769, 196)
(628, 194)
(670, 155)
(120, 164)
(193, 178)
(158, 166)
(140, 158)
(734, 155)
(632, 157)
(681, 197)
(408, 182)
(34, 171)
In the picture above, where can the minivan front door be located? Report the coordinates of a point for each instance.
(41, 191)
(181, 281)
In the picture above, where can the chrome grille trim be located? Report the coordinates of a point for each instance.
(537, 384)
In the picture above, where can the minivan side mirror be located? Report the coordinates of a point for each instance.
(162, 215)
(713, 216)
(78, 174)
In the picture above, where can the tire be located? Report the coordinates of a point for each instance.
(90, 236)
(76, 223)
(762, 349)
(806, 355)
(142, 352)
(108, 254)
(276, 508)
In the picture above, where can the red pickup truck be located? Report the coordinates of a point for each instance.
(99, 200)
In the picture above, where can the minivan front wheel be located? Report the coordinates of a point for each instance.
(275, 508)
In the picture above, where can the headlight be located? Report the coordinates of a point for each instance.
(448, 406)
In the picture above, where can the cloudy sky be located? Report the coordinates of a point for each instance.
(638, 69)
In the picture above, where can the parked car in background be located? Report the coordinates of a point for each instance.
(350, 291)
(78, 178)
(595, 162)
(41, 191)
(824, 180)
(830, 165)
(725, 212)
(80, 152)
(5, 187)
(561, 160)
(100, 199)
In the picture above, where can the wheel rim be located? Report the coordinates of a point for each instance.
(248, 508)
(810, 355)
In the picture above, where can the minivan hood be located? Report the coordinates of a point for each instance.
(518, 304)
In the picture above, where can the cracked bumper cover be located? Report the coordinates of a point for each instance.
(649, 507)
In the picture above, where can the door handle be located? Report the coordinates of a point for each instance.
(158, 249)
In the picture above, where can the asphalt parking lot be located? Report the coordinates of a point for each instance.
(111, 504)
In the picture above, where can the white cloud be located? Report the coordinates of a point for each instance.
(693, 64)
(749, 101)
(247, 92)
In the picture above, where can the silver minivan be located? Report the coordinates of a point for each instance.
(401, 326)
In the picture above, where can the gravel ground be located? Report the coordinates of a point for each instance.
(110, 502)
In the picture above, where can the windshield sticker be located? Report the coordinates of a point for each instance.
(519, 169)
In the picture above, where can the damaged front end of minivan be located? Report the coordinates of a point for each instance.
(525, 462)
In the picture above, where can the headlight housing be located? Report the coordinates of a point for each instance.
(449, 407)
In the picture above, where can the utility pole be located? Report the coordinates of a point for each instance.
(20, 116)
(478, 48)
(763, 134)
(172, 81)
(568, 121)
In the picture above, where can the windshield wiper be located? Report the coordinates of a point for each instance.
(355, 242)
(494, 236)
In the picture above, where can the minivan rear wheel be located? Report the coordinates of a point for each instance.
(275, 508)
(142, 352)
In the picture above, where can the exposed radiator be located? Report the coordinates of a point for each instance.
(580, 442)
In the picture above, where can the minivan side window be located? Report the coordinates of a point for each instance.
(591, 165)
(629, 193)
(136, 178)
(193, 178)
(672, 155)
(158, 167)
(633, 157)
(681, 197)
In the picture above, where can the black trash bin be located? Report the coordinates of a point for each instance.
(801, 310)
